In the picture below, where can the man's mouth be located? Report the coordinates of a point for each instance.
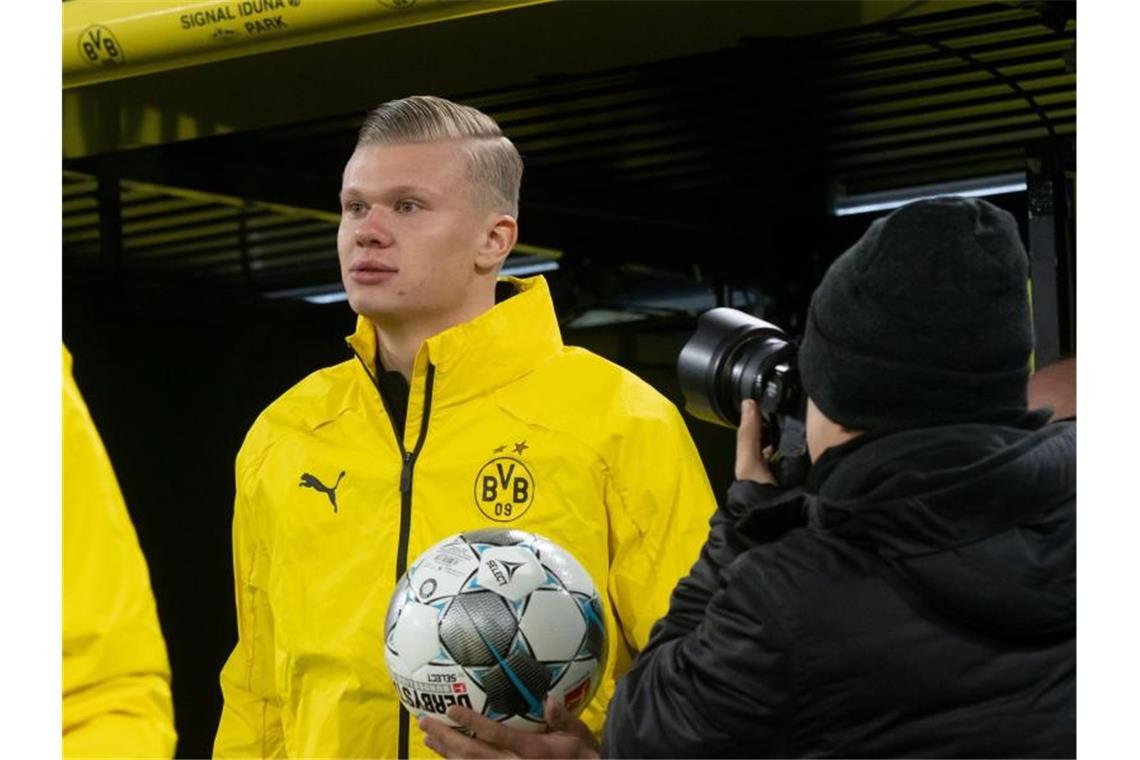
(371, 272)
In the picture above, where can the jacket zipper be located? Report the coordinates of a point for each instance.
(406, 477)
(407, 471)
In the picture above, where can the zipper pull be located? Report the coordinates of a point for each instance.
(406, 475)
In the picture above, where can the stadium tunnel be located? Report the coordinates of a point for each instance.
(679, 155)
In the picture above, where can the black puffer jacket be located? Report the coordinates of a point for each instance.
(918, 599)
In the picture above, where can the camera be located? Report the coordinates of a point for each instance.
(734, 356)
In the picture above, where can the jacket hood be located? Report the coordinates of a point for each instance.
(978, 519)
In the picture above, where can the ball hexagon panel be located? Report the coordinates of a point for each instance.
(518, 686)
(510, 571)
(569, 571)
(442, 571)
(477, 628)
(595, 628)
(416, 636)
(553, 625)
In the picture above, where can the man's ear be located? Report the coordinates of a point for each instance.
(498, 241)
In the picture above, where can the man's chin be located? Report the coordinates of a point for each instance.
(374, 309)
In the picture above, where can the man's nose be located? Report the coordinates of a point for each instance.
(373, 230)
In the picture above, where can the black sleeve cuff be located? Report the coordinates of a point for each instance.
(763, 512)
(747, 495)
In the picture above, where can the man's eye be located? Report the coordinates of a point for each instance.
(407, 205)
(354, 207)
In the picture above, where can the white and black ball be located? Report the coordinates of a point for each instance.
(495, 620)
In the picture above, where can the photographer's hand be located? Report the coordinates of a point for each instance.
(751, 455)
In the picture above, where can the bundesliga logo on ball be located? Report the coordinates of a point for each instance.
(495, 620)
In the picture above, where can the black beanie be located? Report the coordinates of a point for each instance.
(925, 319)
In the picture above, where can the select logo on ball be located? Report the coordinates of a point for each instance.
(504, 489)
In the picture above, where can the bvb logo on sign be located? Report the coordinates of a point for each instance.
(504, 489)
(99, 47)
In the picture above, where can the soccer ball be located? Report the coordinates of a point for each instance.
(495, 620)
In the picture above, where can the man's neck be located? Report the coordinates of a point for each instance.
(397, 349)
(400, 341)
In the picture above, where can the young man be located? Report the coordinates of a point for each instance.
(919, 600)
(460, 409)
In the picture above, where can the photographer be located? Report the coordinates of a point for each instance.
(918, 596)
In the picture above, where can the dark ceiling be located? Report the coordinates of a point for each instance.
(704, 150)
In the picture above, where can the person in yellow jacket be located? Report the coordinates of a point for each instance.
(116, 677)
(459, 409)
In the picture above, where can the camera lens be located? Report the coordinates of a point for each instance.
(733, 356)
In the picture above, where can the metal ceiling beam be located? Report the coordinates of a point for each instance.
(111, 39)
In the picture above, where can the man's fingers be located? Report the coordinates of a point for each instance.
(444, 740)
(748, 444)
(555, 715)
(568, 737)
(559, 719)
(485, 729)
(447, 742)
(751, 462)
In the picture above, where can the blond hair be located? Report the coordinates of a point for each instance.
(494, 164)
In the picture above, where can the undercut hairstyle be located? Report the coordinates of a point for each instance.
(493, 163)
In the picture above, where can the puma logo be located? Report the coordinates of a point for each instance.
(310, 481)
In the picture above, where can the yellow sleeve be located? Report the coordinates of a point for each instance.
(116, 677)
(659, 518)
(251, 712)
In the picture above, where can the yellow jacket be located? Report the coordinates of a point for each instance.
(116, 678)
(603, 465)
